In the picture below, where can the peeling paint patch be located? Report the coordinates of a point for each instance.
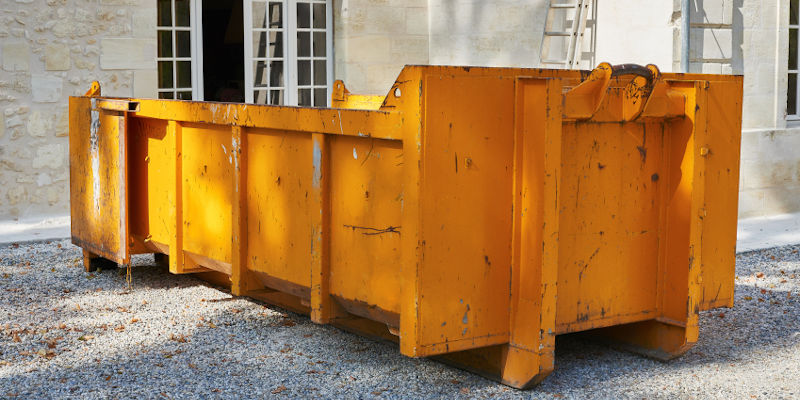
(94, 149)
(317, 165)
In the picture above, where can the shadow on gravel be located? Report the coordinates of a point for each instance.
(259, 352)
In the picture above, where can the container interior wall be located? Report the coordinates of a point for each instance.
(151, 175)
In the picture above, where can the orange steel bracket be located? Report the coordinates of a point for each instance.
(94, 90)
(342, 98)
(583, 101)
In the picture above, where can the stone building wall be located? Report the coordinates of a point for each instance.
(49, 50)
(374, 39)
(487, 33)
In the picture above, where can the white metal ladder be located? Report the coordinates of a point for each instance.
(574, 32)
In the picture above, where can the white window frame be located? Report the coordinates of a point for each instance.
(290, 85)
(195, 30)
(795, 72)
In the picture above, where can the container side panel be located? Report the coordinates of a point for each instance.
(151, 176)
(722, 190)
(608, 258)
(366, 208)
(279, 178)
(98, 181)
(466, 209)
(207, 176)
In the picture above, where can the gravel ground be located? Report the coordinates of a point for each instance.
(65, 333)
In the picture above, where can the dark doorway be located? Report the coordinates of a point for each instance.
(223, 51)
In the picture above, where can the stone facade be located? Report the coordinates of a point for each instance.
(49, 50)
(374, 39)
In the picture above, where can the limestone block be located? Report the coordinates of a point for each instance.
(16, 56)
(14, 121)
(711, 43)
(50, 156)
(62, 126)
(751, 203)
(410, 49)
(16, 194)
(781, 200)
(127, 53)
(39, 124)
(57, 57)
(712, 12)
(369, 49)
(145, 83)
(144, 22)
(385, 20)
(43, 179)
(46, 88)
(380, 77)
(779, 144)
(417, 21)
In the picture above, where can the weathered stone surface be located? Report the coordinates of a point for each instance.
(57, 57)
(39, 124)
(49, 156)
(127, 54)
(16, 194)
(62, 126)
(16, 56)
(145, 83)
(46, 88)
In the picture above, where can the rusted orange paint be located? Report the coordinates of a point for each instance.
(473, 213)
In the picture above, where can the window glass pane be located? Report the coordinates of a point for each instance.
(303, 72)
(303, 15)
(183, 43)
(184, 74)
(260, 96)
(164, 13)
(165, 95)
(791, 95)
(304, 97)
(303, 44)
(793, 9)
(792, 48)
(276, 97)
(164, 43)
(165, 74)
(319, 16)
(260, 44)
(276, 44)
(259, 14)
(320, 74)
(319, 44)
(181, 12)
(184, 95)
(320, 97)
(260, 73)
(276, 15)
(276, 74)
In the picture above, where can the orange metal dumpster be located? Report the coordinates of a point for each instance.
(471, 213)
